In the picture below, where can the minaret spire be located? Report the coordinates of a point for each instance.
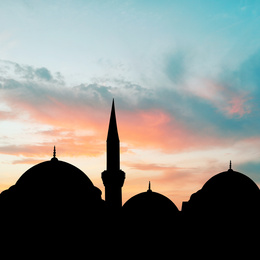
(113, 143)
(112, 129)
(113, 178)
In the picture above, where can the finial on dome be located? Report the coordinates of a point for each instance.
(230, 167)
(54, 152)
(149, 186)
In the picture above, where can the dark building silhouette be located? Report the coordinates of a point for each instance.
(54, 185)
(229, 194)
(57, 207)
(53, 208)
(224, 215)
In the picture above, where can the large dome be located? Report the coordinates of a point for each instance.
(231, 181)
(228, 191)
(54, 200)
(55, 179)
(53, 184)
(54, 174)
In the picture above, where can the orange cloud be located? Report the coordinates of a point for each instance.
(69, 146)
(67, 114)
(142, 129)
(156, 129)
(27, 161)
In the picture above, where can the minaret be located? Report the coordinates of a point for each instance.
(113, 178)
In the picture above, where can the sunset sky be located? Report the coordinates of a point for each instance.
(185, 76)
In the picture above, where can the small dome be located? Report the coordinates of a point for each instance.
(150, 203)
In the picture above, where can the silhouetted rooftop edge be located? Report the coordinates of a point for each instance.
(55, 172)
(149, 200)
(230, 178)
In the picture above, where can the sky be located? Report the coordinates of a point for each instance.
(184, 76)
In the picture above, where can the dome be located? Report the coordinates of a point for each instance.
(54, 173)
(150, 203)
(56, 199)
(228, 191)
(54, 184)
(231, 181)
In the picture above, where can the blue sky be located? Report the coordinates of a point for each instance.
(121, 38)
(185, 70)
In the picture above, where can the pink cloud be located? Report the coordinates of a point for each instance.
(227, 100)
(150, 166)
(157, 129)
(143, 129)
(237, 105)
(150, 128)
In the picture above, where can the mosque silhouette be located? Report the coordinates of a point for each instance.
(55, 208)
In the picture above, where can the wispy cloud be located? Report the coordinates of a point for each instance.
(151, 166)
(229, 101)
(10, 69)
(70, 146)
(27, 161)
(208, 112)
(171, 180)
